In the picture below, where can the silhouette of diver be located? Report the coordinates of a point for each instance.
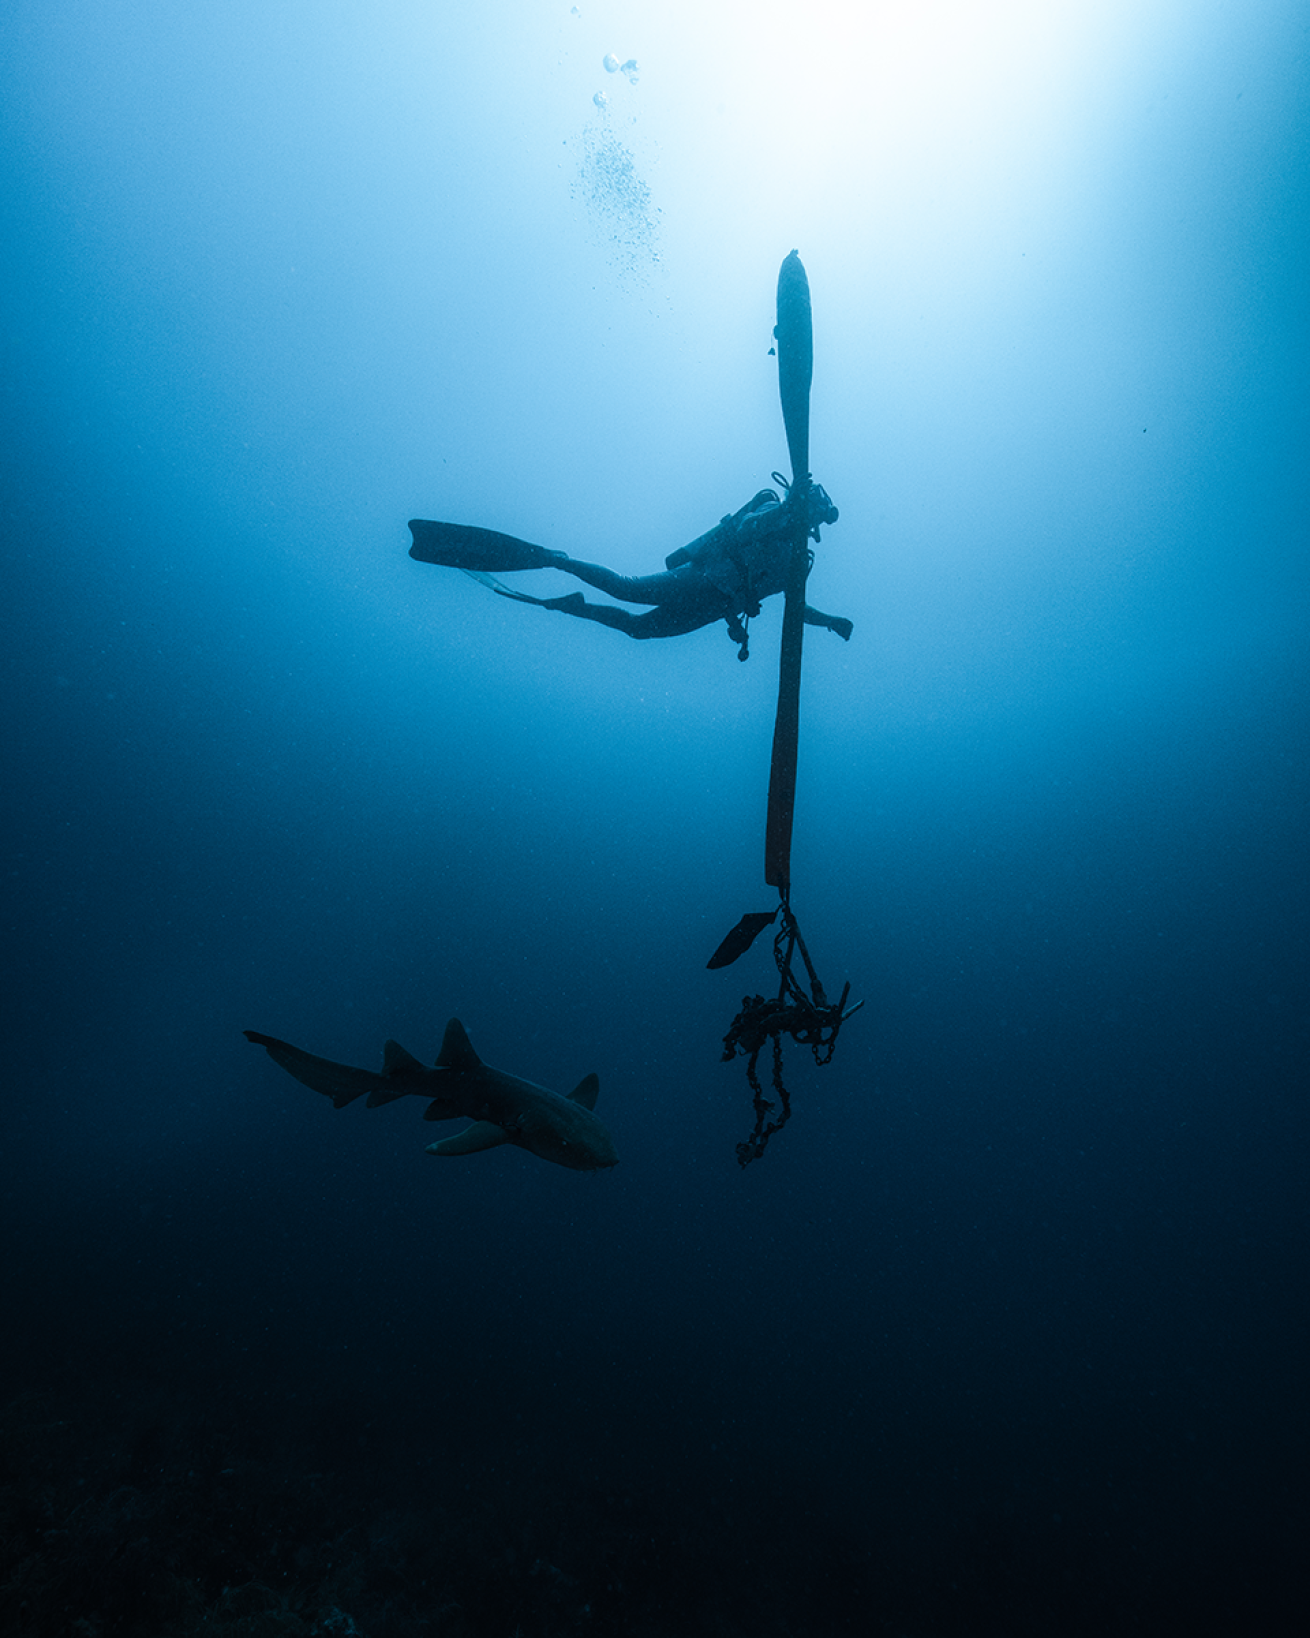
(725, 574)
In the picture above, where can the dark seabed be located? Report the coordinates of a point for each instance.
(1006, 1334)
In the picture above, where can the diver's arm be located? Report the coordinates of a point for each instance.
(834, 622)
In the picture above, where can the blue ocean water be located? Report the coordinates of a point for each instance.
(1006, 1332)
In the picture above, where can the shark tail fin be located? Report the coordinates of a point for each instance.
(339, 1082)
(586, 1091)
(483, 1134)
(457, 1050)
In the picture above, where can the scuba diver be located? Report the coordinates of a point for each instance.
(725, 574)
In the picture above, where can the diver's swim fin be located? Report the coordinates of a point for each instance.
(492, 584)
(461, 546)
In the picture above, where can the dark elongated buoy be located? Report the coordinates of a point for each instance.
(795, 338)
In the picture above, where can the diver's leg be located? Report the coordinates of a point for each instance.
(641, 588)
(834, 622)
(665, 620)
(576, 604)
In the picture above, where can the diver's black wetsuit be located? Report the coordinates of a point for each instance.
(723, 575)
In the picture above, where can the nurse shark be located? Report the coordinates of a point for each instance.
(503, 1108)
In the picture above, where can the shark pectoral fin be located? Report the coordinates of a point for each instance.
(586, 1091)
(340, 1082)
(457, 1050)
(483, 1134)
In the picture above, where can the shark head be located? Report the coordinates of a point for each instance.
(564, 1131)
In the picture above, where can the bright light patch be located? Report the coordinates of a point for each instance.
(834, 120)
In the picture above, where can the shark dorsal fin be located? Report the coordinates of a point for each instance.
(395, 1060)
(457, 1050)
(586, 1091)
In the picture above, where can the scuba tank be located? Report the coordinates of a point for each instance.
(717, 539)
(760, 515)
